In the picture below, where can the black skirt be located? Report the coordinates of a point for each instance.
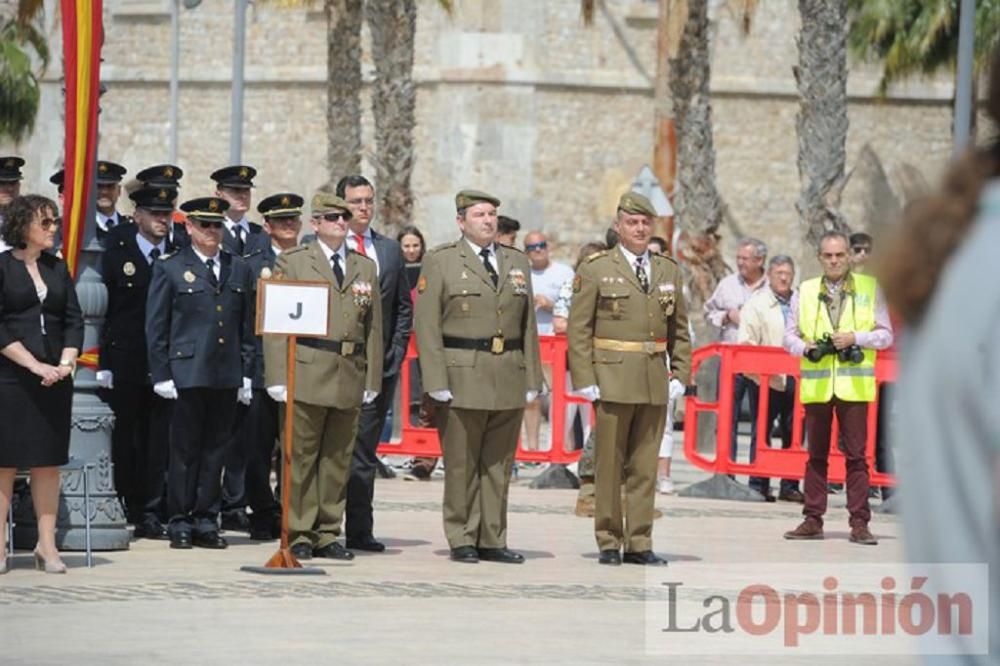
(34, 419)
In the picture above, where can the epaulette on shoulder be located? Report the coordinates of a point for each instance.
(295, 250)
(666, 257)
(363, 256)
(596, 255)
(168, 255)
(443, 246)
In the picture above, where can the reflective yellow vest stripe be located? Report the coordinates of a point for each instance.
(829, 377)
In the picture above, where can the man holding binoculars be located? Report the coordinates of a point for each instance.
(836, 323)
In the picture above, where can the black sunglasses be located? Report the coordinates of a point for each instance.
(209, 224)
(531, 247)
(333, 217)
(47, 223)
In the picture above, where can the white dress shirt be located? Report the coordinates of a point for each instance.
(217, 268)
(633, 258)
(341, 251)
(369, 245)
(105, 222)
(494, 261)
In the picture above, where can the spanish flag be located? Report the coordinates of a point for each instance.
(83, 36)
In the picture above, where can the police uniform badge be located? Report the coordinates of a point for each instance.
(265, 273)
(188, 277)
(244, 172)
(128, 269)
(213, 205)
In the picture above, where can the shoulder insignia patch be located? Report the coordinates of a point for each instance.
(421, 284)
(577, 281)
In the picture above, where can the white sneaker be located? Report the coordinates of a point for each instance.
(665, 486)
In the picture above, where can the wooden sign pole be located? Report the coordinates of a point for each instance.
(284, 561)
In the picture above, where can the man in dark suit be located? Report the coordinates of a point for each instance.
(142, 418)
(256, 430)
(10, 185)
(201, 355)
(109, 189)
(397, 321)
(240, 237)
(169, 176)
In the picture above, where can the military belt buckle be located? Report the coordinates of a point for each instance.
(649, 346)
(496, 345)
(346, 348)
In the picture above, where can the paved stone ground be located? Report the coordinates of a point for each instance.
(151, 605)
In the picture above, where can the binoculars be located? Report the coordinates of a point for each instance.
(824, 347)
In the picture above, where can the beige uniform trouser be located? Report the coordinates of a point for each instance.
(322, 444)
(478, 447)
(627, 441)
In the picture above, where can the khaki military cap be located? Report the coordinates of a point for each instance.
(635, 203)
(323, 201)
(467, 198)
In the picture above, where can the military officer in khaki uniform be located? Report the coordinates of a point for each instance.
(333, 376)
(627, 318)
(475, 327)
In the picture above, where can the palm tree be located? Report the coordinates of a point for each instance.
(20, 37)
(393, 26)
(821, 124)
(343, 87)
(918, 37)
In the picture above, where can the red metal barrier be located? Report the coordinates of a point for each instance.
(770, 462)
(423, 442)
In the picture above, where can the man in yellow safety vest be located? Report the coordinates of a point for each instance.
(836, 323)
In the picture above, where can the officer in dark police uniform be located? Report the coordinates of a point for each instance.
(256, 430)
(169, 176)
(109, 189)
(233, 183)
(201, 354)
(142, 418)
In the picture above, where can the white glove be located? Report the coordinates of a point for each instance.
(278, 393)
(530, 396)
(591, 393)
(165, 389)
(443, 395)
(369, 397)
(244, 394)
(105, 379)
(676, 389)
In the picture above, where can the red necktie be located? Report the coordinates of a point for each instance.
(360, 240)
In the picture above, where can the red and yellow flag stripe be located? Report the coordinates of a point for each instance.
(83, 37)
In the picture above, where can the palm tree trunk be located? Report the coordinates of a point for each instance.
(697, 202)
(393, 26)
(821, 124)
(343, 87)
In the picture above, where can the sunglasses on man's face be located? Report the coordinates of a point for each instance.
(531, 247)
(333, 217)
(209, 224)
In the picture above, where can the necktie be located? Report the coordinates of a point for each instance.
(238, 232)
(154, 254)
(640, 273)
(485, 254)
(338, 272)
(359, 240)
(210, 265)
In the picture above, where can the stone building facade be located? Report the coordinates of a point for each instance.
(514, 96)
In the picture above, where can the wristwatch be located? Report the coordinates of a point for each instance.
(63, 363)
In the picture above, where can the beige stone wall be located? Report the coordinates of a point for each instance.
(514, 96)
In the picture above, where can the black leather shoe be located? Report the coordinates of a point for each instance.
(333, 551)
(500, 555)
(612, 557)
(209, 540)
(368, 543)
(302, 551)
(647, 557)
(236, 520)
(466, 554)
(150, 529)
(180, 540)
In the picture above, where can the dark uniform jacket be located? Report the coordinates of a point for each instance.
(261, 261)
(126, 273)
(199, 335)
(253, 240)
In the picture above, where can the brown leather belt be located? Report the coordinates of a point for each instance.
(342, 347)
(644, 347)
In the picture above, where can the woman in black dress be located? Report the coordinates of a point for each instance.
(41, 332)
